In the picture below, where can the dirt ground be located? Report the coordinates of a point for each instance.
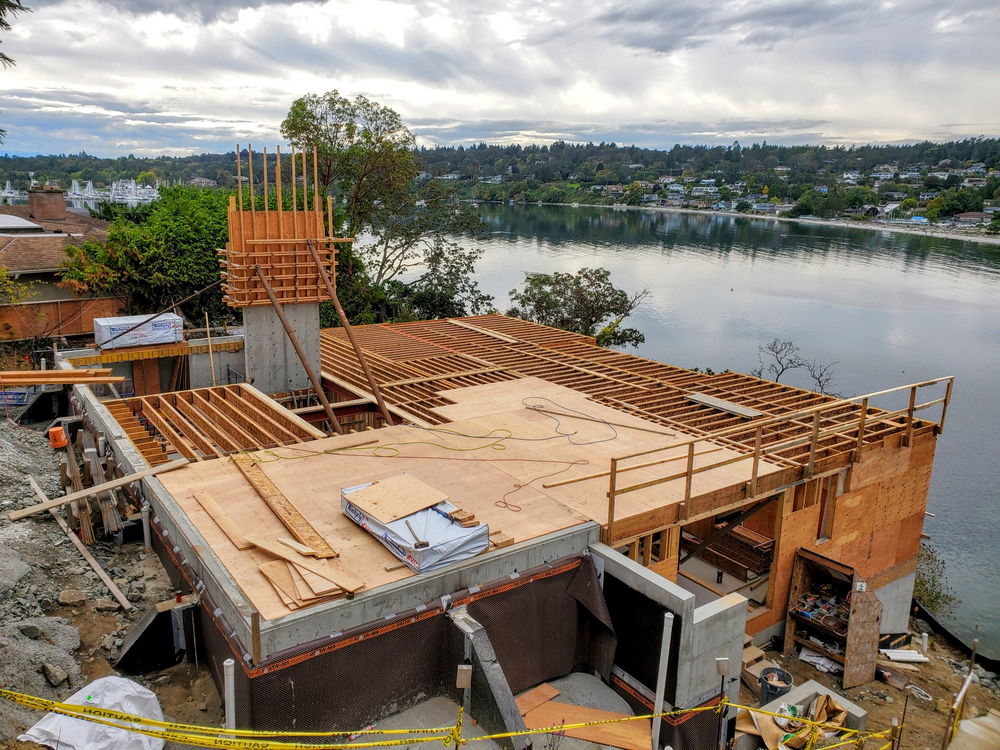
(39, 569)
(925, 721)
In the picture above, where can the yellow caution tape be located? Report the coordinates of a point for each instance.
(250, 739)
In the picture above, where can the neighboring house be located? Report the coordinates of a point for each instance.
(991, 208)
(33, 240)
(971, 217)
(201, 182)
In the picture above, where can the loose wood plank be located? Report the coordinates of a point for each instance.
(82, 549)
(16, 515)
(627, 735)
(300, 548)
(289, 515)
(396, 497)
(223, 520)
(535, 697)
(331, 570)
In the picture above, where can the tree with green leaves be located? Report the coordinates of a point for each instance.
(12, 291)
(365, 152)
(8, 9)
(158, 257)
(585, 302)
(410, 265)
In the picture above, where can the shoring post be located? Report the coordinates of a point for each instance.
(290, 332)
(458, 729)
(661, 676)
(229, 692)
(346, 324)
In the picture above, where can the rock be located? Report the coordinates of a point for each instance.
(29, 631)
(889, 699)
(106, 605)
(203, 706)
(55, 674)
(138, 585)
(163, 679)
(72, 598)
(12, 569)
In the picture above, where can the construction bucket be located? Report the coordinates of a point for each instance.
(57, 438)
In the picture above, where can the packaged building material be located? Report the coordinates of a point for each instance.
(424, 540)
(163, 329)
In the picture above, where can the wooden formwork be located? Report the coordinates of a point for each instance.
(265, 233)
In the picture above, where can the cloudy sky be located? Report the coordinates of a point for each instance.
(165, 76)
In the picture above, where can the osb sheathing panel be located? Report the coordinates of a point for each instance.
(876, 527)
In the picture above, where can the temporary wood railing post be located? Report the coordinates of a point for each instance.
(944, 406)
(689, 473)
(613, 475)
(861, 431)
(211, 357)
(758, 439)
(290, 332)
(813, 442)
(332, 291)
(909, 417)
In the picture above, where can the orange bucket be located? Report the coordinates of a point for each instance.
(57, 437)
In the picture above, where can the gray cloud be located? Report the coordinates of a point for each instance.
(200, 10)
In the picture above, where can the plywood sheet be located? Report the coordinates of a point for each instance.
(628, 735)
(396, 497)
(532, 699)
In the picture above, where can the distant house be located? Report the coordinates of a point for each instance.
(704, 190)
(635, 166)
(852, 175)
(201, 182)
(928, 195)
(895, 195)
(614, 189)
(450, 176)
(991, 208)
(974, 182)
(939, 175)
(822, 189)
(972, 217)
(675, 188)
(493, 180)
(666, 180)
(33, 243)
(909, 175)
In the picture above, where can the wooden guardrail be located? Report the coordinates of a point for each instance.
(867, 417)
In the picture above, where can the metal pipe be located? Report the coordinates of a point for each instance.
(229, 692)
(317, 386)
(146, 537)
(661, 675)
(332, 291)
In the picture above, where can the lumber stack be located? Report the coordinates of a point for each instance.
(57, 377)
(299, 580)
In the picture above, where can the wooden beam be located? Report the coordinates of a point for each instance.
(249, 392)
(180, 444)
(282, 507)
(484, 331)
(261, 437)
(15, 515)
(251, 413)
(722, 405)
(240, 436)
(82, 549)
(442, 376)
(718, 534)
(330, 570)
(205, 425)
(223, 520)
(190, 429)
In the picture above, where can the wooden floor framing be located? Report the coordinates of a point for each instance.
(208, 423)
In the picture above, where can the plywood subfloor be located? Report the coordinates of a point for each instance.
(476, 461)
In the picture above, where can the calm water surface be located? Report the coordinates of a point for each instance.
(889, 309)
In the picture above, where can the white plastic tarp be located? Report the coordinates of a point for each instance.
(66, 733)
(448, 541)
(166, 328)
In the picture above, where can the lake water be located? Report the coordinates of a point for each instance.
(890, 309)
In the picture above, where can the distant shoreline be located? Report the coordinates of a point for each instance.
(928, 230)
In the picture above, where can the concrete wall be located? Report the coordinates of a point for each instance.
(334, 617)
(706, 633)
(200, 367)
(271, 363)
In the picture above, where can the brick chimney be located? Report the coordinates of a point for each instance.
(47, 205)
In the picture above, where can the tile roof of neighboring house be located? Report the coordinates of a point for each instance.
(44, 252)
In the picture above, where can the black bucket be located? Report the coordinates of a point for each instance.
(768, 690)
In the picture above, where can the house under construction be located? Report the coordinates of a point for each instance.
(616, 490)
